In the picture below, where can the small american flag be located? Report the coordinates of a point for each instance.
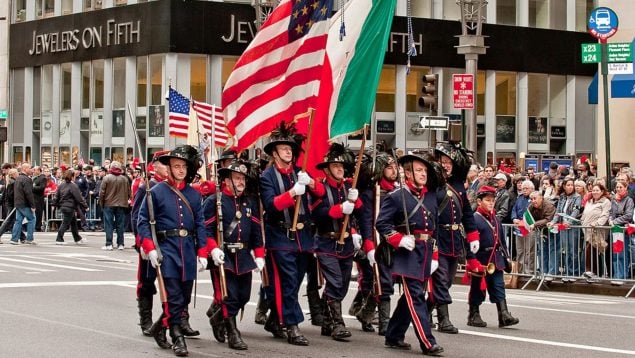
(205, 112)
(179, 114)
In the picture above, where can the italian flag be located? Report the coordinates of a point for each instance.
(617, 235)
(528, 220)
(352, 66)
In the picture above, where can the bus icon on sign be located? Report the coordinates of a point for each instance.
(602, 19)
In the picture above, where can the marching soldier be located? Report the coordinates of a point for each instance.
(281, 185)
(334, 251)
(181, 236)
(455, 230)
(241, 234)
(146, 274)
(407, 221)
(490, 260)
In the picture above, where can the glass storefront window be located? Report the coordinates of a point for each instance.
(156, 79)
(451, 11)
(85, 85)
(98, 84)
(47, 157)
(422, 8)
(142, 81)
(413, 89)
(67, 7)
(198, 77)
(37, 92)
(228, 66)
(506, 12)
(480, 93)
(539, 13)
(119, 82)
(385, 98)
(65, 155)
(557, 96)
(66, 86)
(506, 93)
(20, 10)
(538, 95)
(117, 154)
(47, 88)
(582, 10)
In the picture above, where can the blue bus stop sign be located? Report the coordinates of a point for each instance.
(603, 23)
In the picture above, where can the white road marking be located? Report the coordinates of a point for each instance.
(67, 283)
(51, 265)
(114, 267)
(24, 267)
(549, 343)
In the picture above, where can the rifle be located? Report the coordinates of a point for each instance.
(151, 220)
(219, 235)
(402, 183)
(377, 281)
(358, 166)
(298, 199)
(264, 275)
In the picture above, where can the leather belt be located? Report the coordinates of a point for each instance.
(333, 235)
(452, 227)
(234, 246)
(287, 226)
(175, 232)
(422, 237)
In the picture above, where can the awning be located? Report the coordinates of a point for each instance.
(593, 90)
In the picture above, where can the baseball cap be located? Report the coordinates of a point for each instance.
(501, 176)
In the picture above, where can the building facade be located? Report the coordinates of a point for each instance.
(84, 73)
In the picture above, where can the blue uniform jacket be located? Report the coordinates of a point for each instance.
(414, 264)
(277, 224)
(492, 239)
(328, 218)
(139, 197)
(247, 231)
(457, 211)
(179, 253)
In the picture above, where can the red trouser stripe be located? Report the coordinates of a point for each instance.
(413, 314)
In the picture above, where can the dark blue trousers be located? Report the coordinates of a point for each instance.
(365, 279)
(442, 280)
(286, 272)
(495, 288)
(411, 307)
(337, 274)
(238, 292)
(179, 293)
(146, 275)
(386, 281)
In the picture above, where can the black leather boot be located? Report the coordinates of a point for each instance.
(295, 337)
(327, 322)
(158, 332)
(356, 305)
(234, 339)
(384, 317)
(399, 344)
(339, 328)
(367, 313)
(272, 324)
(474, 318)
(261, 311)
(504, 317)
(178, 341)
(185, 325)
(445, 326)
(315, 307)
(430, 306)
(215, 314)
(435, 350)
(144, 303)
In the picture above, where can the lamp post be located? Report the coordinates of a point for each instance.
(471, 44)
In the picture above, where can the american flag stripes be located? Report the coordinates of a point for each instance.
(278, 76)
(180, 117)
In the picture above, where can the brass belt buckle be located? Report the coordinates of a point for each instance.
(299, 226)
(182, 232)
(423, 237)
(455, 227)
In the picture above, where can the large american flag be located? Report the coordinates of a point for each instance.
(278, 76)
(180, 117)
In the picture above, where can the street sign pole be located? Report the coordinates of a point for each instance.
(607, 128)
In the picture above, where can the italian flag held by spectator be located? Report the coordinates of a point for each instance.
(528, 220)
(617, 234)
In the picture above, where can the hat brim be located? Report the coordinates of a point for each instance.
(269, 147)
(325, 165)
(165, 159)
(413, 157)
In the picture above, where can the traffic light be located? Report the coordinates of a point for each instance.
(428, 99)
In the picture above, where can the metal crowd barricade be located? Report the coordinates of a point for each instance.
(591, 254)
(54, 216)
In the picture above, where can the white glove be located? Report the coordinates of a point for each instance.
(218, 256)
(304, 178)
(353, 194)
(370, 255)
(202, 264)
(299, 189)
(153, 256)
(474, 246)
(143, 254)
(347, 208)
(435, 265)
(357, 241)
(407, 242)
(260, 264)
